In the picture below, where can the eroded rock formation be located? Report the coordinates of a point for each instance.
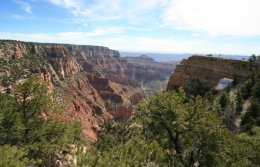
(203, 72)
(95, 83)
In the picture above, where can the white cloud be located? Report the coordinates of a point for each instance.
(195, 35)
(101, 10)
(216, 17)
(66, 3)
(145, 44)
(25, 6)
(172, 45)
(63, 37)
(17, 17)
(94, 33)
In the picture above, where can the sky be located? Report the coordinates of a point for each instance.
(160, 26)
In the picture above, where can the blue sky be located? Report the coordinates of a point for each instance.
(166, 26)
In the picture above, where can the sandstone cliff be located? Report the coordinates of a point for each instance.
(95, 83)
(201, 72)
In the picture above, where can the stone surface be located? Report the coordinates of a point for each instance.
(208, 71)
(95, 83)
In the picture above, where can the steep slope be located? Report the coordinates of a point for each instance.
(94, 82)
(162, 70)
(204, 73)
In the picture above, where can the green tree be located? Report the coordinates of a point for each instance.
(27, 120)
(121, 144)
(252, 117)
(249, 147)
(256, 91)
(253, 58)
(188, 131)
(224, 100)
(246, 88)
(239, 101)
(229, 116)
(171, 129)
(12, 156)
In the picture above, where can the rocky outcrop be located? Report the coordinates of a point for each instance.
(205, 72)
(95, 83)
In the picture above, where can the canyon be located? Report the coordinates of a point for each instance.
(162, 70)
(95, 84)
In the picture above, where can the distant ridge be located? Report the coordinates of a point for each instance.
(167, 57)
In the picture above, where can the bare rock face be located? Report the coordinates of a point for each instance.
(95, 83)
(206, 72)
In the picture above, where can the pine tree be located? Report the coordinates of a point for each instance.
(224, 100)
(239, 101)
(27, 122)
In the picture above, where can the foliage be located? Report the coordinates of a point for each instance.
(12, 156)
(170, 129)
(20, 68)
(256, 91)
(229, 117)
(197, 88)
(224, 100)
(186, 128)
(120, 144)
(27, 120)
(239, 101)
(246, 88)
(250, 146)
(252, 117)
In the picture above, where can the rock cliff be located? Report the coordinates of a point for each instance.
(160, 73)
(204, 73)
(95, 83)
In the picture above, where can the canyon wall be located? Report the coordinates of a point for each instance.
(162, 71)
(95, 83)
(205, 72)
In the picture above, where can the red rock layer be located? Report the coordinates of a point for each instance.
(92, 80)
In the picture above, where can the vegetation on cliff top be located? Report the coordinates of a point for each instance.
(168, 129)
(173, 129)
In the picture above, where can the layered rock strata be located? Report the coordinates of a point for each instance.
(205, 72)
(95, 83)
